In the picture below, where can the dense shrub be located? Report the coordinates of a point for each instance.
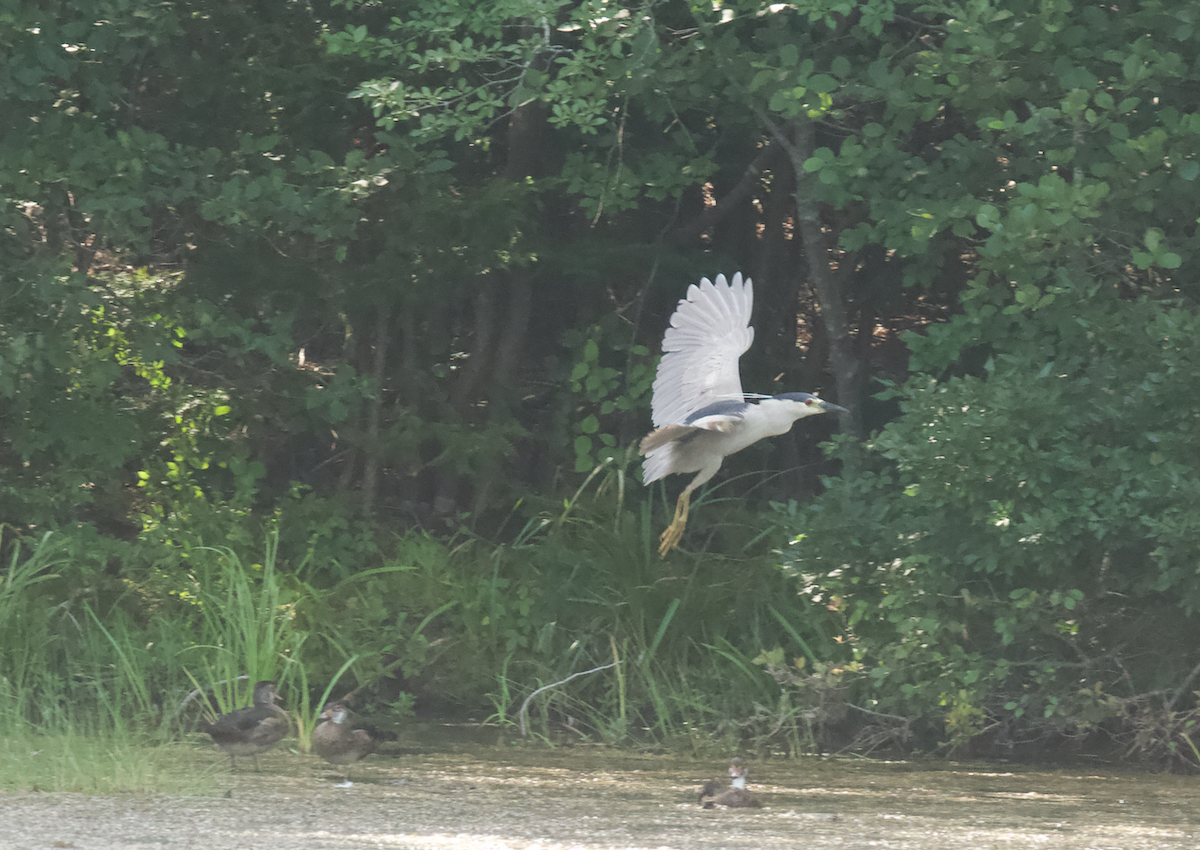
(1025, 541)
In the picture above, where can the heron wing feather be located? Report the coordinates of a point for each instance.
(709, 332)
(722, 422)
(661, 436)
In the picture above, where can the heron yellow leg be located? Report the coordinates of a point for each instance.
(670, 538)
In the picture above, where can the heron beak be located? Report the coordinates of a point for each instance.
(830, 407)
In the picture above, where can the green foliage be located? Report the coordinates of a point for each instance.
(606, 394)
(25, 627)
(1023, 520)
(81, 699)
(246, 622)
(472, 67)
(66, 381)
(88, 762)
(681, 633)
(334, 270)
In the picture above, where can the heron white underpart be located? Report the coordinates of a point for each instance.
(699, 411)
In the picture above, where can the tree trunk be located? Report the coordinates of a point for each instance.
(510, 345)
(375, 408)
(827, 284)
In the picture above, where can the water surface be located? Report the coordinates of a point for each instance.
(424, 792)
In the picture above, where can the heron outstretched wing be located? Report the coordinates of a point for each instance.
(709, 331)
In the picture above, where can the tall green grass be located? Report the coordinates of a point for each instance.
(77, 709)
(23, 629)
(685, 630)
(619, 645)
(66, 759)
(244, 624)
(92, 697)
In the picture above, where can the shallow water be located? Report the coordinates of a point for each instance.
(430, 792)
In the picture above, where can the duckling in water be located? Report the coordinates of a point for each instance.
(337, 743)
(735, 796)
(251, 730)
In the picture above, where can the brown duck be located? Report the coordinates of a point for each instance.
(337, 743)
(251, 730)
(735, 796)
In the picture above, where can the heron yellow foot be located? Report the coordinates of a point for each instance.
(671, 537)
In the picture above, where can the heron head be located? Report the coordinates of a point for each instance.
(810, 401)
